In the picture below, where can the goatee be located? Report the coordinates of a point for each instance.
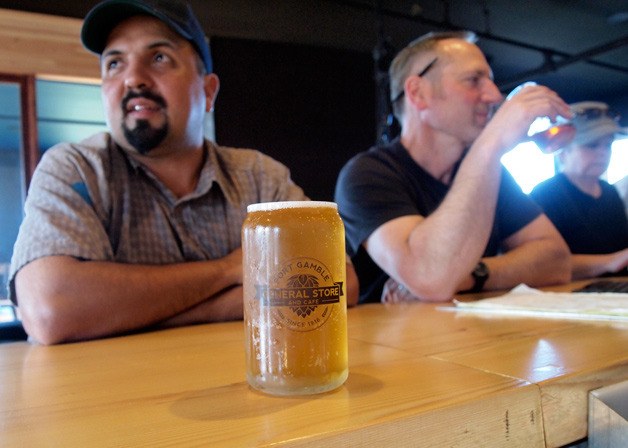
(143, 137)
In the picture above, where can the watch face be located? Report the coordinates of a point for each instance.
(481, 270)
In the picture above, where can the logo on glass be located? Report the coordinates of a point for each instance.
(301, 294)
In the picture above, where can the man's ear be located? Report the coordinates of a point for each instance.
(211, 86)
(417, 91)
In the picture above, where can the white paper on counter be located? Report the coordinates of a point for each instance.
(524, 300)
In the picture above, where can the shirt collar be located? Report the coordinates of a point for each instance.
(210, 173)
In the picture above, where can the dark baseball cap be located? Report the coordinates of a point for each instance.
(178, 15)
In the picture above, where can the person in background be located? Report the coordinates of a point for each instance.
(140, 227)
(434, 212)
(587, 211)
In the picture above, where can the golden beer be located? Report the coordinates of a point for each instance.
(295, 307)
(556, 137)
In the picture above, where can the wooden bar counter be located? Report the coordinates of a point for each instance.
(420, 375)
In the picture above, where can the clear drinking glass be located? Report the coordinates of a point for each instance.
(549, 136)
(295, 306)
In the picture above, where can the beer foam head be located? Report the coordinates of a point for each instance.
(268, 206)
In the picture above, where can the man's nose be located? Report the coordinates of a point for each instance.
(137, 77)
(491, 93)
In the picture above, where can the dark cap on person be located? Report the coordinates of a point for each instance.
(178, 15)
(594, 120)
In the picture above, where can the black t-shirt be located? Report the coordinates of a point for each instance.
(589, 225)
(385, 183)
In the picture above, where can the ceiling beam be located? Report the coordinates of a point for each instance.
(550, 65)
(548, 53)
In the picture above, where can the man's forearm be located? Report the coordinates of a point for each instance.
(537, 263)
(64, 299)
(448, 243)
(587, 266)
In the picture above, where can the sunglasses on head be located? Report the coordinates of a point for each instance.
(596, 112)
(420, 74)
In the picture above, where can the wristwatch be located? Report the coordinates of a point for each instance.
(480, 274)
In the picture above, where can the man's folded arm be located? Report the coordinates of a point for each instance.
(62, 299)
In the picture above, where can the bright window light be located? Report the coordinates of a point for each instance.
(529, 166)
(618, 168)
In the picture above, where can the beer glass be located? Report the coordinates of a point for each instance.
(295, 308)
(549, 136)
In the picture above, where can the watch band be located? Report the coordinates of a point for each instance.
(480, 276)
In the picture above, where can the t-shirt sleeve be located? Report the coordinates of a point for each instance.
(370, 193)
(60, 215)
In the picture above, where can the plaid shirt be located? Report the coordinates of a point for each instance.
(91, 201)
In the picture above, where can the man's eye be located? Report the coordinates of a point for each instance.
(112, 64)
